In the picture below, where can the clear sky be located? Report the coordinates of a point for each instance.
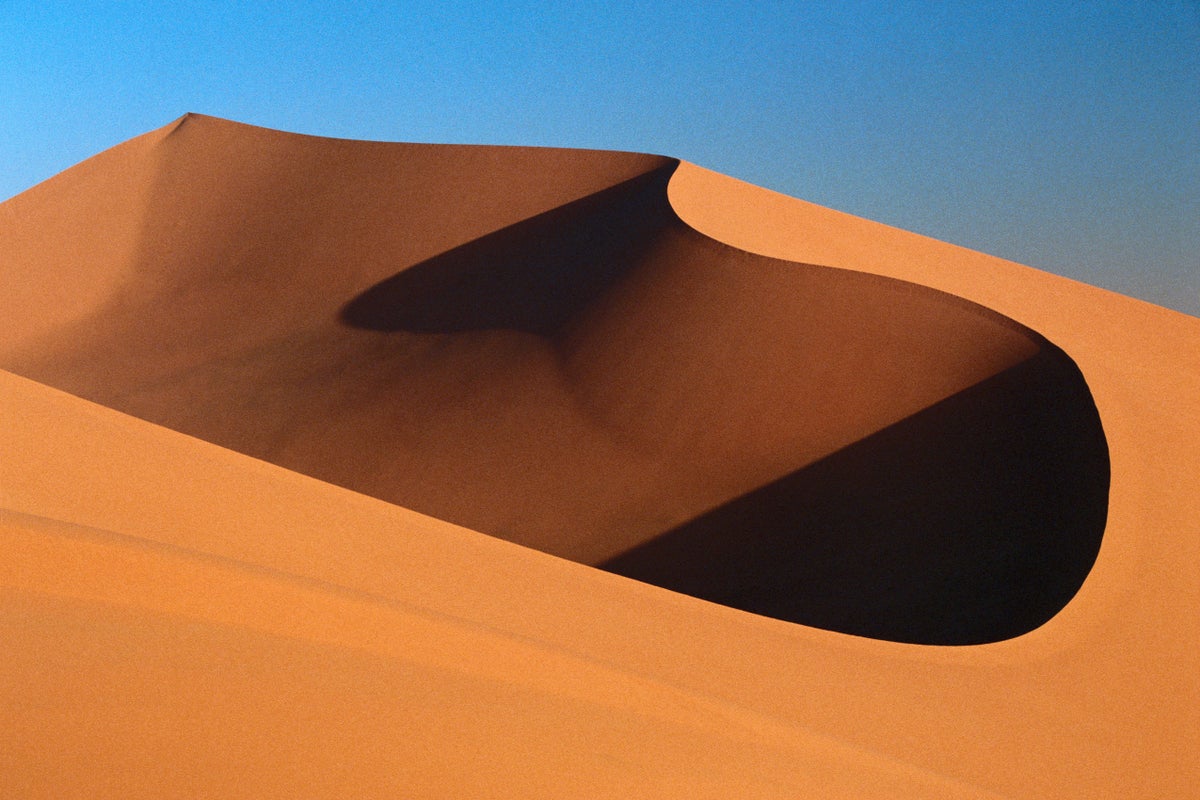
(1064, 135)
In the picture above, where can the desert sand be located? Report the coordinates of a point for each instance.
(335, 468)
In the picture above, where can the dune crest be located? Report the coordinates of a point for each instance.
(617, 359)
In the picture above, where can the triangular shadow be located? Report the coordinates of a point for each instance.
(532, 276)
(972, 521)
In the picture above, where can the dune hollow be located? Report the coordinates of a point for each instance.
(531, 343)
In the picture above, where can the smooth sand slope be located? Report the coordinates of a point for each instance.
(295, 379)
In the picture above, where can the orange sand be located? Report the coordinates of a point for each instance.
(296, 379)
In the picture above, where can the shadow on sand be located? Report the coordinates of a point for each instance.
(532, 276)
(973, 521)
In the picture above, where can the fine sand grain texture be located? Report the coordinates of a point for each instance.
(325, 467)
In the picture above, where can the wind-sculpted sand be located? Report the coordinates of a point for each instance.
(327, 464)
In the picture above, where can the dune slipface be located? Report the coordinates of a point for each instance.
(532, 344)
(295, 379)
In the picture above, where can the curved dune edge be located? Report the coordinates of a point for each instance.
(532, 344)
(690, 698)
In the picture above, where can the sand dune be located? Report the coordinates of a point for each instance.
(296, 379)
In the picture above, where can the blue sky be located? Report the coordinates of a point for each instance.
(1064, 135)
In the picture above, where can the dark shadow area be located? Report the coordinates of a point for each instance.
(972, 521)
(532, 276)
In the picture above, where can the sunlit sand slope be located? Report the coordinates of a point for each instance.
(372, 354)
(183, 620)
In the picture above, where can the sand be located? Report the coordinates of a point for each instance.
(327, 466)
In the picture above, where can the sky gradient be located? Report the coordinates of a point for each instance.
(1063, 137)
